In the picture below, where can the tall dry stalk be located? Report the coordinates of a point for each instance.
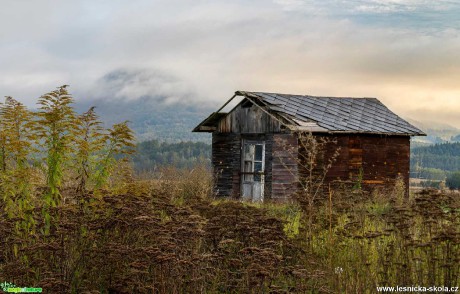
(18, 142)
(312, 163)
(119, 142)
(56, 129)
(89, 144)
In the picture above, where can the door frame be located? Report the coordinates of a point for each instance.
(243, 174)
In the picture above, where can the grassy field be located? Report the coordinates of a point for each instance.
(169, 235)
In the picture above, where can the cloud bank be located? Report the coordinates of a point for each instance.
(404, 52)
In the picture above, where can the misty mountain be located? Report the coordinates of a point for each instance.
(436, 133)
(158, 104)
(152, 119)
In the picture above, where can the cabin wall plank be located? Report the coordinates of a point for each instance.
(225, 161)
(248, 120)
(284, 167)
(378, 160)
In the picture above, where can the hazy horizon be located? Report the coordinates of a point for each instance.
(403, 52)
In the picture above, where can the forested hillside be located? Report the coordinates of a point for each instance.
(153, 154)
(444, 156)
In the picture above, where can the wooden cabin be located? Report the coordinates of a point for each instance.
(253, 143)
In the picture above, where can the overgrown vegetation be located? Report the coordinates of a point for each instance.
(312, 164)
(167, 235)
(43, 151)
(73, 219)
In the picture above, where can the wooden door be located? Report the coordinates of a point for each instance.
(252, 170)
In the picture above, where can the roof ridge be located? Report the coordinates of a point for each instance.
(304, 95)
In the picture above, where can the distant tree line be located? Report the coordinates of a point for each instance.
(444, 157)
(446, 149)
(436, 163)
(153, 154)
(429, 173)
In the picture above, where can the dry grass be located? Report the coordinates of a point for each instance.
(163, 236)
(168, 235)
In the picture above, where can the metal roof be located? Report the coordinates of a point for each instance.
(325, 114)
(337, 114)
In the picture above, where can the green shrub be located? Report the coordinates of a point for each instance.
(453, 181)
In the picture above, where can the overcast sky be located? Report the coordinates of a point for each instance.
(404, 52)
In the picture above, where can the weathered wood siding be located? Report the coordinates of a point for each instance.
(385, 159)
(244, 123)
(226, 150)
(280, 164)
(284, 166)
(248, 120)
(379, 159)
(226, 162)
